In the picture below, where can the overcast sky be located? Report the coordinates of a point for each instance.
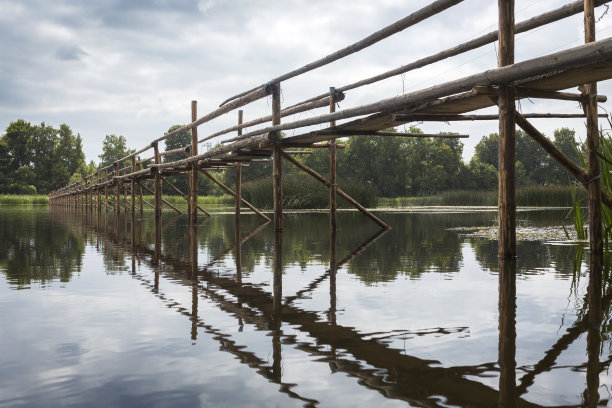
(132, 67)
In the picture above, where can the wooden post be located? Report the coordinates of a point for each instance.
(594, 170)
(106, 192)
(238, 175)
(133, 205)
(333, 184)
(158, 205)
(140, 189)
(98, 192)
(117, 192)
(333, 268)
(193, 201)
(277, 171)
(506, 168)
(507, 332)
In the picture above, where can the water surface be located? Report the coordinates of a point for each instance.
(91, 315)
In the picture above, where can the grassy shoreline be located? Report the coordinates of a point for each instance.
(535, 196)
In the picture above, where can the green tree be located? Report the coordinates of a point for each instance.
(114, 147)
(177, 141)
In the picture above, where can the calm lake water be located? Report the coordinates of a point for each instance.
(412, 317)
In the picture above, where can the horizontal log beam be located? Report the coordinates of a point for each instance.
(576, 7)
(583, 55)
(538, 93)
(414, 18)
(459, 118)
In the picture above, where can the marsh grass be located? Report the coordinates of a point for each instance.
(302, 191)
(532, 196)
(22, 199)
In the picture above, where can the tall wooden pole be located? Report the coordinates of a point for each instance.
(506, 167)
(117, 192)
(238, 175)
(333, 185)
(106, 193)
(590, 110)
(140, 190)
(277, 177)
(193, 199)
(158, 205)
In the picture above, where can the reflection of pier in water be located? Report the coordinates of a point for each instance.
(405, 377)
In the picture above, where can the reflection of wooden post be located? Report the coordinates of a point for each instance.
(333, 241)
(193, 202)
(277, 178)
(193, 257)
(506, 201)
(590, 110)
(238, 175)
(591, 394)
(278, 294)
(158, 204)
(507, 332)
(333, 184)
(238, 251)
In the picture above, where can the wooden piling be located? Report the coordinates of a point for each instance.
(593, 163)
(193, 199)
(277, 171)
(158, 204)
(106, 193)
(117, 192)
(506, 159)
(238, 174)
(333, 185)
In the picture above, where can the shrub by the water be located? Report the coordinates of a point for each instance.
(17, 199)
(303, 191)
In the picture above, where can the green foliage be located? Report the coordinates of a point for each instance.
(37, 158)
(114, 147)
(29, 199)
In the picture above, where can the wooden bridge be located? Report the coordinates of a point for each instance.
(543, 77)
(120, 189)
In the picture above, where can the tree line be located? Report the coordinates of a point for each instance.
(41, 158)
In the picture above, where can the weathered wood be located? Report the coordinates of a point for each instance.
(185, 196)
(592, 133)
(442, 117)
(508, 396)
(339, 191)
(506, 167)
(244, 99)
(193, 199)
(157, 183)
(133, 189)
(538, 21)
(538, 93)
(583, 55)
(142, 200)
(565, 162)
(414, 18)
(233, 193)
(164, 201)
(106, 192)
(322, 102)
(333, 186)
(117, 191)
(277, 168)
(238, 179)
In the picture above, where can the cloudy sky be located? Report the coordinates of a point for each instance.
(132, 67)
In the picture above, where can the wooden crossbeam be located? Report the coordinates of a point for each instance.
(459, 118)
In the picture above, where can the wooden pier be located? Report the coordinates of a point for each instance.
(119, 187)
